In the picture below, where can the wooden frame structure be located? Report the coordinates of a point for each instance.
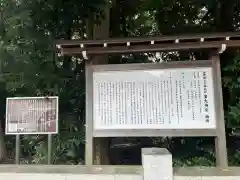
(217, 42)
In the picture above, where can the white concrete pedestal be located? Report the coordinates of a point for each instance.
(157, 164)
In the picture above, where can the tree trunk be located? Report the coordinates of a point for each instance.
(101, 31)
(3, 96)
(115, 15)
(2, 144)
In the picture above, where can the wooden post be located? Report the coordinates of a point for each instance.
(49, 148)
(220, 139)
(17, 153)
(89, 113)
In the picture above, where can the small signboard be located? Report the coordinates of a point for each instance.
(32, 115)
(174, 98)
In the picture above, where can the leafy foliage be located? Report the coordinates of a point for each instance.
(29, 66)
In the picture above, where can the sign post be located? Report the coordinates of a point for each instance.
(175, 99)
(32, 115)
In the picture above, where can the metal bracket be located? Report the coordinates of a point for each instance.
(222, 49)
(84, 54)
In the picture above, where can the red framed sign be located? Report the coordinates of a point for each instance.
(32, 115)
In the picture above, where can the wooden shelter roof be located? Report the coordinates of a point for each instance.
(148, 44)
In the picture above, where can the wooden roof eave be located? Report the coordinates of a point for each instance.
(147, 44)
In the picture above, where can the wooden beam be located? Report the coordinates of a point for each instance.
(120, 49)
(189, 37)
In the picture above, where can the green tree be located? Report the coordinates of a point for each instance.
(28, 30)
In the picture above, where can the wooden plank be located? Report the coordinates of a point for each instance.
(155, 133)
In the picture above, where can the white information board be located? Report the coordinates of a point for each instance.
(154, 99)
